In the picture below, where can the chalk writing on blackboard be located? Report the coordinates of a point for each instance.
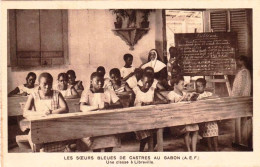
(207, 53)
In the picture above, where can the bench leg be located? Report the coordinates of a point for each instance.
(243, 133)
(150, 144)
(238, 131)
(160, 140)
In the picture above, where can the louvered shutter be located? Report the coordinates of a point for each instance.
(239, 24)
(218, 21)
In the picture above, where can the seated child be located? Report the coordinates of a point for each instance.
(128, 69)
(156, 83)
(145, 95)
(25, 89)
(118, 85)
(44, 100)
(98, 98)
(210, 128)
(107, 83)
(133, 80)
(72, 81)
(175, 96)
(68, 92)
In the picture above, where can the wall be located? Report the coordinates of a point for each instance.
(91, 44)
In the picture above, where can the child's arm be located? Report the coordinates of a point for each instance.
(84, 107)
(15, 92)
(74, 94)
(162, 99)
(159, 86)
(80, 85)
(63, 106)
(128, 76)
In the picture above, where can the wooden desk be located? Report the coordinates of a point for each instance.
(79, 125)
(15, 104)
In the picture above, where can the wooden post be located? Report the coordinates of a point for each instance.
(228, 85)
(160, 140)
(238, 131)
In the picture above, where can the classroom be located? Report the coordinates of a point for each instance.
(129, 80)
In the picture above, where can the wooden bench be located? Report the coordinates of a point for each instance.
(69, 126)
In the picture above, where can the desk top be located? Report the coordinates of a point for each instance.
(58, 127)
(15, 104)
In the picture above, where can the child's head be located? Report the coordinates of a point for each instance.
(63, 81)
(128, 58)
(200, 85)
(45, 82)
(173, 51)
(101, 70)
(175, 70)
(30, 79)
(115, 75)
(178, 83)
(149, 70)
(96, 81)
(71, 76)
(138, 73)
(147, 81)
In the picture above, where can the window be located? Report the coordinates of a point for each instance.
(238, 21)
(38, 38)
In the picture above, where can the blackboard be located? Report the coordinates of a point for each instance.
(207, 53)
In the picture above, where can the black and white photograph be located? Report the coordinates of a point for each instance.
(129, 80)
(140, 82)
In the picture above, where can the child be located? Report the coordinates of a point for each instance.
(175, 96)
(68, 92)
(156, 83)
(211, 128)
(25, 89)
(72, 81)
(46, 101)
(97, 98)
(173, 66)
(118, 85)
(133, 80)
(127, 70)
(145, 95)
(107, 83)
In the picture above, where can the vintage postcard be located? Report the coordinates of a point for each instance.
(130, 83)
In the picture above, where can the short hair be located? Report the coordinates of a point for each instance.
(115, 71)
(172, 47)
(148, 75)
(71, 72)
(128, 55)
(30, 74)
(94, 75)
(138, 70)
(148, 69)
(64, 75)
(176, 80)
(101, 68)
(201, 80)
(46, 75)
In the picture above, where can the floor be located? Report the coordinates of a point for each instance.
(172, 141)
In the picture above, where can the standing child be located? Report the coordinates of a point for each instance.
(25, 89)
(97, 98)
(128, 69)
(68, 92)
(72, 81)
(145, 95)
(175, 96)
(211, 128)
